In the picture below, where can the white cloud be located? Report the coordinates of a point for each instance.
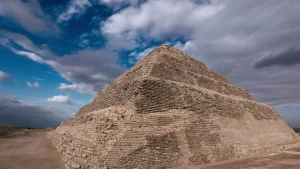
(188, 47)
(184, 18)
(25, 43)
(30, 55)
(28, 14)
(145, 52)
(141, 55)
(75, 8)
(34, 84)
(3, 75)
(79, 87)
(117, 4)
(125, 29)
(117, 42)
(61, 99)
(40, 79)
(90, 70)
(64, 86)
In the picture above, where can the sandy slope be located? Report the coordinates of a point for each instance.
(29, 151)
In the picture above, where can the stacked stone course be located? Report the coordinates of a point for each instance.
(168, 111)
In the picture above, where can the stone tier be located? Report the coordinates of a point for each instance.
(116, 94)
(155, 95)
(169, 72)
(176, 58)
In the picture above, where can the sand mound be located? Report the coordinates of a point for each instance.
(6, 130)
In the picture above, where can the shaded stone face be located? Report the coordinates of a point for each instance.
(167, 111)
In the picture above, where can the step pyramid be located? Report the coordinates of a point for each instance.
(169, 110)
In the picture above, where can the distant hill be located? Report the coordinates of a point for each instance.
(7, 130)
(297, 130)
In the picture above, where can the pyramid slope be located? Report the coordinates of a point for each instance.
(167, 111)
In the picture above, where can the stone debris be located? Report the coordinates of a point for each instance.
(168, 111)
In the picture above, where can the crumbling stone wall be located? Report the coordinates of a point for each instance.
(161, 151)
(113, 95)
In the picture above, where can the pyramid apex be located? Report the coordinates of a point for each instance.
(165, 46)
(168, 48)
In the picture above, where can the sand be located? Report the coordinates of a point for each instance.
(29, 149)
(277, 161)
(288, 159)
(8, 131)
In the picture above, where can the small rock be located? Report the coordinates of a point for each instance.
(76, 166)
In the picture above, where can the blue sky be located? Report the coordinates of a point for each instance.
(56, 55)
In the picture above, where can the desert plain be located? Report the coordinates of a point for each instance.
(27, 149)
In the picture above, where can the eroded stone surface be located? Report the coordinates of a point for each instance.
(169, 111)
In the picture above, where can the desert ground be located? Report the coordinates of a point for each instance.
(288, 159)
(30, 149)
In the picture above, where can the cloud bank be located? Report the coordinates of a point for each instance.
(34, 84)
(91, 70)
(27, 14)
(61, 99)
(75, 8)
(17, 113)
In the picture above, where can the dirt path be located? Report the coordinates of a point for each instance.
(30, 151)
